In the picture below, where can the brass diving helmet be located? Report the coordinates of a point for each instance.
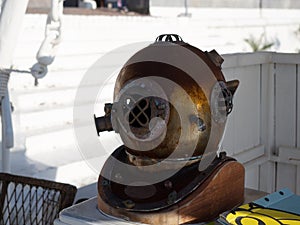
(171, 102)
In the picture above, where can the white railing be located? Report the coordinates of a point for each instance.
(263, 131)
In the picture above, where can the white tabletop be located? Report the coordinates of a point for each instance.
(87, 213)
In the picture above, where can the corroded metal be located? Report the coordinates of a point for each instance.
(211, 100)
(151, 197)
(103, 123)
(202, 116)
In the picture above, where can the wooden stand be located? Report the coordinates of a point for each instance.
(222, 191)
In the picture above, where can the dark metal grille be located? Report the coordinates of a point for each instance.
(25, 200)
(140, 115)
(139, 112)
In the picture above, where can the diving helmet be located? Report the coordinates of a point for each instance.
(171, 103)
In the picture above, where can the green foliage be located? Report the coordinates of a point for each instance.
(259, 44)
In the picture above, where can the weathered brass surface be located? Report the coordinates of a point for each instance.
(199, 129)
(171, 119)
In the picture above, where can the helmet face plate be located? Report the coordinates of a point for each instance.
(170, 104)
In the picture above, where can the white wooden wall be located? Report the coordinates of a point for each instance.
(263, 131)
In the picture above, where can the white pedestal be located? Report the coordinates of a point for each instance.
(87, 213)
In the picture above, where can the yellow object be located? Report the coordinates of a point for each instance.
(252, 214)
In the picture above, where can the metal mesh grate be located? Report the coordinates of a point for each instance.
(140, 115)
(25, 200)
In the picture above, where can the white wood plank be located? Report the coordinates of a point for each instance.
(289, 155)
(267, 177)
(267, 108)
(298, 106)
(246, 59)
(286, 176)
(285, 105)
(247, 109)
(250, 154)
(298, 181)
(229, 137)
(286, 58)
(251, 178)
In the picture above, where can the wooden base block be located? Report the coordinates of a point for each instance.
(222, 191)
